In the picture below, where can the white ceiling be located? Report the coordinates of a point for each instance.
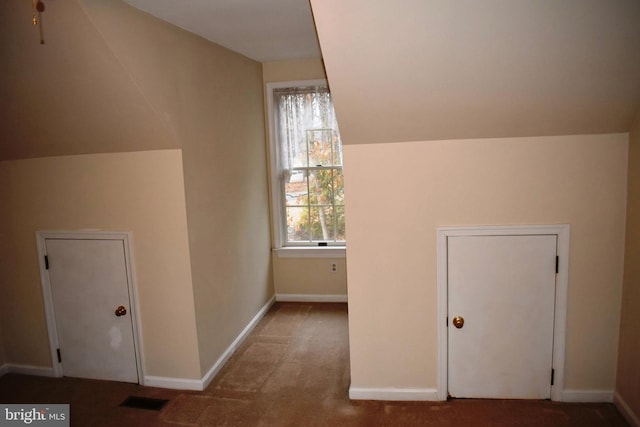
(264, 30)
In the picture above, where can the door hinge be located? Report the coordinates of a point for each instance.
(557, 263)
(553, 374)
(446, 322)
(46, 262)
(59, 355)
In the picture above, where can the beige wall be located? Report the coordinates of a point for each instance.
(300, 276)
(629, 350)
(140, 192)
(213, 100)
(391, 257)
(111, 78)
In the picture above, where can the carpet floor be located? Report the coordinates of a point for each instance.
(292, 370)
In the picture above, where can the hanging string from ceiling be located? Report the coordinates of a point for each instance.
(37, 8)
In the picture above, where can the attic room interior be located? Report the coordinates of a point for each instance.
(453, 117)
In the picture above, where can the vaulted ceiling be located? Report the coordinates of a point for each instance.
(264, 30)
(420, 70)
(430, 70)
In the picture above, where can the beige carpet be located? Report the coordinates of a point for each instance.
(293, 370)
(253, 367)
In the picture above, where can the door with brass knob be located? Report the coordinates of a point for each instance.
(91, 302)
(501, 293)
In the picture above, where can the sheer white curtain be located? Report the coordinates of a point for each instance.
(301, 110)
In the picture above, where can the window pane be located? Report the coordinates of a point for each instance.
(322, 223)
(340, 228)
(338, 187)
(321, 187)
(298, 224)
(337, 149)
(320, 146)
(295, 188)
(326, 186)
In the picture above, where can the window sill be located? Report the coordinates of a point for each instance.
(311, 252)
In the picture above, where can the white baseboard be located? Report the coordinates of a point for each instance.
(397, 394)
(587, 396)
(38, 371)
(626, 410)
(217, 366)
(162, 382)
(404, 394)
(201, 384)
(173, 383)
(311, 298)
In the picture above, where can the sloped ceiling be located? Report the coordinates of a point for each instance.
(264, 30)
(425, 70)
(414, 70)
(71, 95)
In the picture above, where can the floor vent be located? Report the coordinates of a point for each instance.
(144, 403)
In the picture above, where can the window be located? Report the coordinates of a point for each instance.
(306, 165)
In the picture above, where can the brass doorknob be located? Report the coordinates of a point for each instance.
(121, 311)
(458, 322)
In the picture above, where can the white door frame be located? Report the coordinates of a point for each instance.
(562, 282)
(126, 239)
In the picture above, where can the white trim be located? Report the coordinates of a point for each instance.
(217, 366)
(562, 284)
(626, 411)
(393, 394)
(52, 330)
(201, 384)
(311, 298)
(38, 371)
(135, 313)
(4, 369)
(126, 238)
(311, 252)
(173, 383)
(442, 313)
(587, 396)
